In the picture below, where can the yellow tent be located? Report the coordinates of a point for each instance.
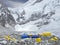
(38, 40)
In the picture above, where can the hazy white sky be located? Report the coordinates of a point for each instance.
(13, 3)
(23, 1)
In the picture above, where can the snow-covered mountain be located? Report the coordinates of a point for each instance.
(5, 16)
(41, 16)
(35, 15)
(39, 13)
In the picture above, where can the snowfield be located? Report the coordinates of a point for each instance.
(54, 25)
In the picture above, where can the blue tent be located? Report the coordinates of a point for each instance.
(24, 36)
(35, 36)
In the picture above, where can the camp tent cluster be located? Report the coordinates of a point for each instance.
(44, 38)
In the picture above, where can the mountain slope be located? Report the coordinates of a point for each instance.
(42, 16)
(36, 15)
